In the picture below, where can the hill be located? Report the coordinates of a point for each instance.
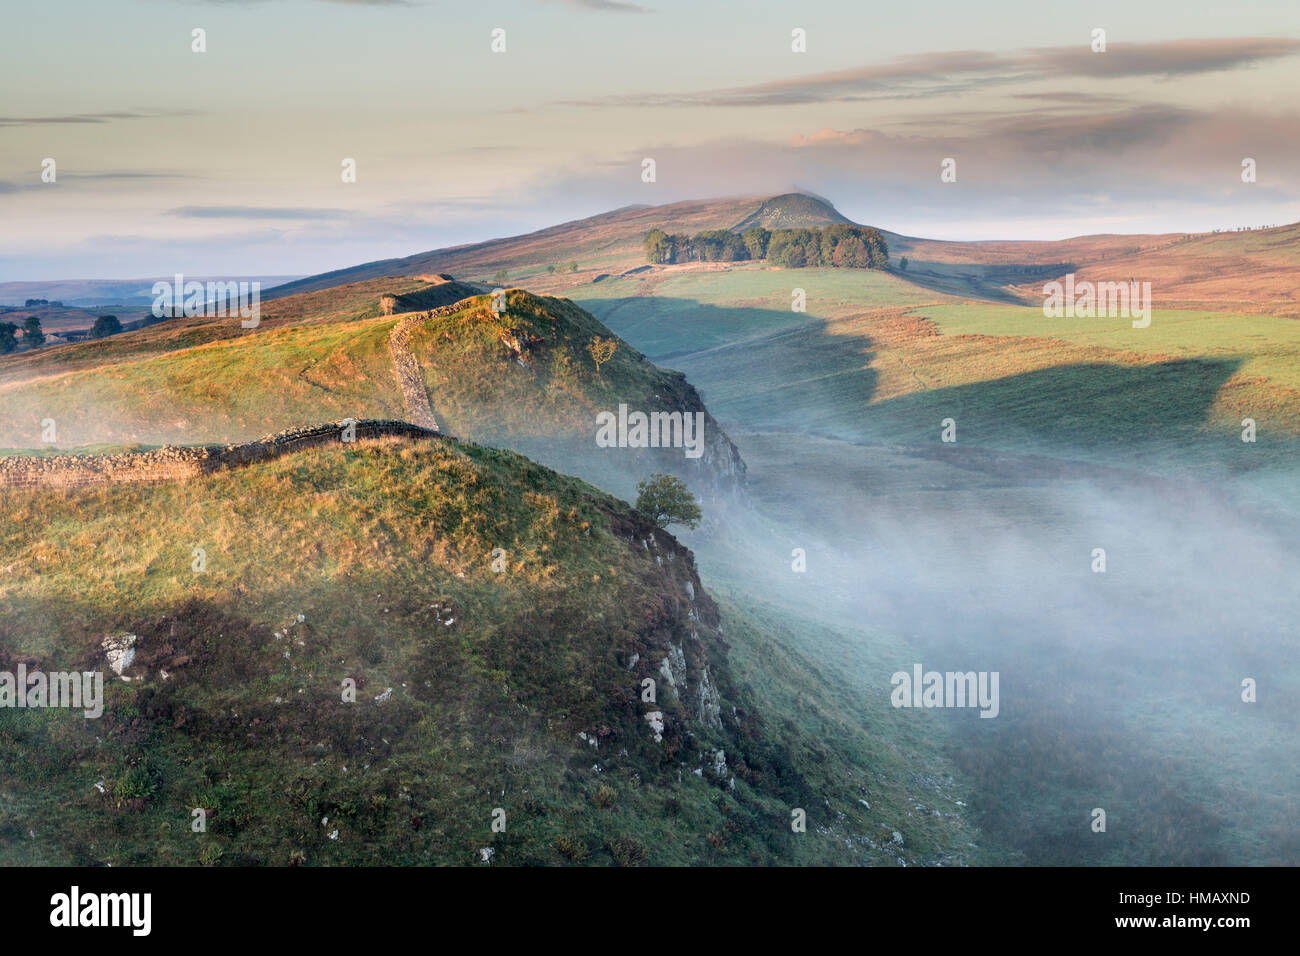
(1247, 271)
(1252, 271)
(498, 622)
(133, 294)
(792, 211)
(522, 379)
(606, 243)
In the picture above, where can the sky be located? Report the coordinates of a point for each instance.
(228, 162)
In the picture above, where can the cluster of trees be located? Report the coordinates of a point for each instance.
(32, 335)
(839, 246)
(30, 303)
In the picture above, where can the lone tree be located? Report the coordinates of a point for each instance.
(602, 350)
(665, 500)
(500, 277)
(32, 334)
(8, 340)
(105, 326)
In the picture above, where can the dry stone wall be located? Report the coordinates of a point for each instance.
(407, 369)
(180, 463)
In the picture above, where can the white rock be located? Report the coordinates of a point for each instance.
(120, 652)
(719, 763)
(485, 854)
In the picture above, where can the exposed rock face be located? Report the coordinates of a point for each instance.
(120, 652)
(681, 648)
(182, 463)
(521, 343)
(673, 668)
(708, 704)
(719, 471)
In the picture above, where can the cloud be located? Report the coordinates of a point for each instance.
(67, 179)
(835, 137)
(607, 6)
(963, 71)
(74, 118)
(258, 212)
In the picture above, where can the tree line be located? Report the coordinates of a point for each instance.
(839, 246)
(34, 337)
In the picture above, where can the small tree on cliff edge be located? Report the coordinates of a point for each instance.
(602, 350)
(665, 500)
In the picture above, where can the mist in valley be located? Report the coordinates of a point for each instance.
(1120, 689)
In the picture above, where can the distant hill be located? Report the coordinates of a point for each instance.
(1240, 270)
(792, 211)
(92, 293)
(1251, 271)
(606, 243)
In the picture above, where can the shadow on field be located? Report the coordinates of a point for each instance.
(989, 282)
(763, 367)
(1081, 406)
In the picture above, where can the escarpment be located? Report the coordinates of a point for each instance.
(538, 375)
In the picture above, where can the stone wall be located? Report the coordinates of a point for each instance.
(172, 463)
(407, 368)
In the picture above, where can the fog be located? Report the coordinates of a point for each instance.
(1120, 689)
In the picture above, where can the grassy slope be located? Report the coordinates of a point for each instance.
(329, 368)
(869, 362)
(340, 304)
(226, 390)
(385, 550)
